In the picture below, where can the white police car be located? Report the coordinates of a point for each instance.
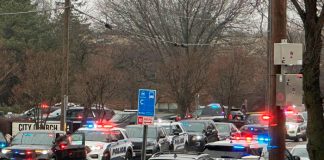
(106, 143)
(296, 127)
(177, 136)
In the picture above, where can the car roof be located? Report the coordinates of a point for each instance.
(256, 125)
(100, 129)
(165, 123)
(223, 123)
(176, 156)
(42, 131)
(197, 120)
(253, 144)
(138, 125)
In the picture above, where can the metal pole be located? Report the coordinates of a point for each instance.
(143, 153)
(65, 73)
(277, 124)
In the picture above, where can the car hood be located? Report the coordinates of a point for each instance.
(29, 147)
(95, 143)
(137, 140)
(195, 134)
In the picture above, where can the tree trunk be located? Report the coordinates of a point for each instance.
(312, 93)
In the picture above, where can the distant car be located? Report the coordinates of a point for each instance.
(254, 132)
(296, 127)
(122, 119)
(288, 155)
(256, 118)
(200, 133)
(181, 156)
(106, 143)
(225, 130)
(43, 144)
(177, 136)
(300, 151)
(157, 140)
(213, 111)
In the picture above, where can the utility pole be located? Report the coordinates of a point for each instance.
(278, 22)
(65, 73)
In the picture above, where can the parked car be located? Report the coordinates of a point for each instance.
(200, 133)
(177, 136)
(181, 156)
(44, 144)
(157, 140)
(296, 127)
(213, 111)
(122, 119)
(225, 130)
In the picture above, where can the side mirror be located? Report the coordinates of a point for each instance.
(296, 157)
(176, 132)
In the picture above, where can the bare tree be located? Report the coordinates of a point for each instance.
(97, 84)
(40, 83)
(311, 13)
(162, 26)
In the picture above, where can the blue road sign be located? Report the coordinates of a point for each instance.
(146, 102)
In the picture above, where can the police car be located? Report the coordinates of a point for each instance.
(105, 142)
(296, 127)
(177, 136)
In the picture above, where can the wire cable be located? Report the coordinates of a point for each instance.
(28, 12)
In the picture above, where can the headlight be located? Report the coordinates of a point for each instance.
(5, 151)
(196, 138)
(97, 147)
(42, 151)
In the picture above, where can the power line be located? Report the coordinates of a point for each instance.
(27, 12)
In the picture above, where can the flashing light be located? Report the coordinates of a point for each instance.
(264, 139)
(107, 126)
(42, 151)
(252, 129)
(5, 151)
(97, 147)
(79, 117)
(238, 147)
(266, 117)
(29, 152)
(90, 125)
(44, 105)
(248, 139)
(2, 145)
(62, 146)
(289, 112)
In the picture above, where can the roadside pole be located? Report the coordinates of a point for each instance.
(65, 62)
(278, 20)
(143, 153)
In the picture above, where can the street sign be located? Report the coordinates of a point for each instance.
(146, 106)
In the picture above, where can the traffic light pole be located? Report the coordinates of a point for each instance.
(278, 22)
(65, 71)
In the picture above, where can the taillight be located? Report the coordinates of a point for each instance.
(230, 117)
(62, 146)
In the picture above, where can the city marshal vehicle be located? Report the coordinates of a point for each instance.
(157, 140)
(225, 130)
(213, 111)
(43, 145)
(105, 142)
(200, 133)
(177, 136)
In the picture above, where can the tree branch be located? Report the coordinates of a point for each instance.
(300, 11)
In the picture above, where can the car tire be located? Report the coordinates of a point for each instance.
(304, 138)
(106, 156)
(128, 155)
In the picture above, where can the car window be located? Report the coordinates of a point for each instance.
(119, 135)
(137, 132)
(30, 138)
(161, 132)
(223, 128)
(193, 126)
(211, 126)
(170, 129)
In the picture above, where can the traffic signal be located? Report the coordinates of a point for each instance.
(44, 105)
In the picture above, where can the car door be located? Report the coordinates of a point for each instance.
(178, 140)
(162, 139)
(212, 133)
(118, 146)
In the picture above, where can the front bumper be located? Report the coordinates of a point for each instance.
(149, 152)
(196, 145)
(95, 155)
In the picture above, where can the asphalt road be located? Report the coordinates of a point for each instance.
(290, 144)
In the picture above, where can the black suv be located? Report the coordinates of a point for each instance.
(200, 133)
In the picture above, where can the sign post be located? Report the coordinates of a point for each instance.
(146, 113)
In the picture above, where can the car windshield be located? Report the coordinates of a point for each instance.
(120, 117)
(100, 136)
(223, 128)
(33, 138)
(255, 119)
(231, 151)
(210, 111)
(137, 132)
(294, 118)
(301, 152)
(193, 126)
